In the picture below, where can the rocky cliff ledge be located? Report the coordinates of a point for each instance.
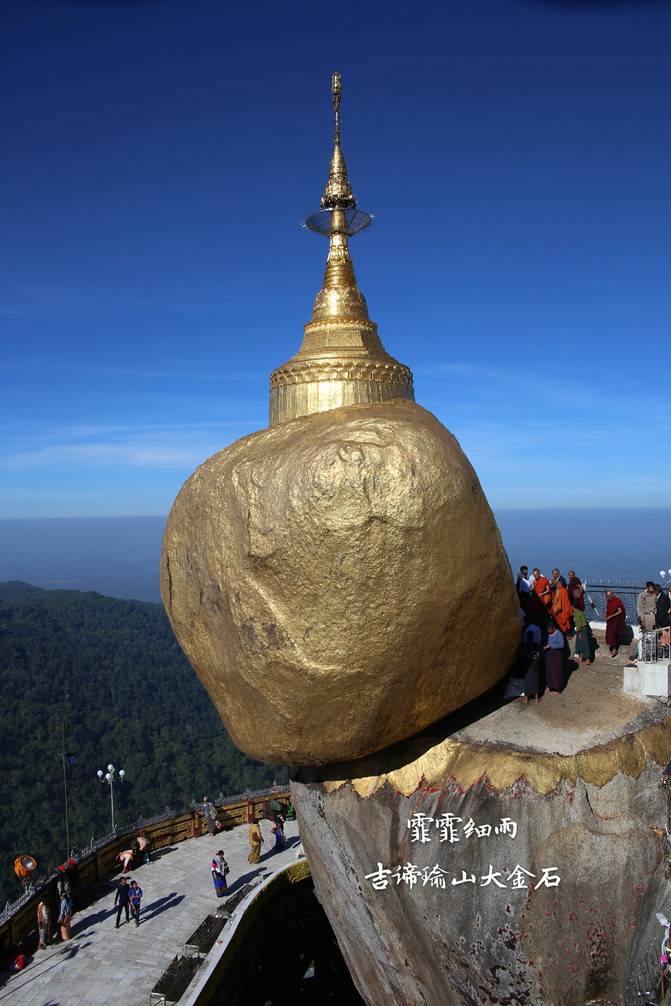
(482, 813)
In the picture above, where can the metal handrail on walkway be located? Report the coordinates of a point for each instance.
(18, 918)
(626, 590)
(653, 647)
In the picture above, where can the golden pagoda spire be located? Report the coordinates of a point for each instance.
(342, 360)
(338, 191)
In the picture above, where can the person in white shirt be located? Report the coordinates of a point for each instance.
(522, 584)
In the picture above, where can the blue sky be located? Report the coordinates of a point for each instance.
(160, 156)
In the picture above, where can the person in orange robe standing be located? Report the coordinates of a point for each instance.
(561, 608)
(542, 588)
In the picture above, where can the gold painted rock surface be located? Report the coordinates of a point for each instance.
(338, 582)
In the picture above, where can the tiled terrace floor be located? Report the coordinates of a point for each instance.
(101, 965)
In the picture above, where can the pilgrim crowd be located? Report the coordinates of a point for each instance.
(553, 611)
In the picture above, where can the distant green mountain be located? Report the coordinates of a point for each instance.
(17, 590)
(114, 672)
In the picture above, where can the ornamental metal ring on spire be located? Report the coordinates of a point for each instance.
(338, 195)
(341, 360)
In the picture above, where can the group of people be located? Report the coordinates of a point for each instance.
(219, 867)
(66, 908)
(652, 613)
(128, 898)
(652, 607)
(137, 853)
(256, 838)
(551, 609)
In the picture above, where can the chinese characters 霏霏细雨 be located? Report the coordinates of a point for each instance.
(422, 828)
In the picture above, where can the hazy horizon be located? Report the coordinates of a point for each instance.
(120, 556)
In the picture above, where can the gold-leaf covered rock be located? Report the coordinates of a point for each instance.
(338, 582)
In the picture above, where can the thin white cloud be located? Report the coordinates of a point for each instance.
(151, 446)
(143, 429)
(461, 369)
(588, 402)
(221, 374)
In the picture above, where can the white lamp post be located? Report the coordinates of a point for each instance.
(109, 778)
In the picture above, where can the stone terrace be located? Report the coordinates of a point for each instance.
(591, 710)
(101, 965)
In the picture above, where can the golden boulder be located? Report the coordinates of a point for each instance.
(338, 582)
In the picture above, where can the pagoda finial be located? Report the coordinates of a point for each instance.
(336, 90)
(341, 360)
(338, 191)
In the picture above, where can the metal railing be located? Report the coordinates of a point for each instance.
(95, 845)
(654, 646)
(626, 590)
(43, 882)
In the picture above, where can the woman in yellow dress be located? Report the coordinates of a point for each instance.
(255, 842)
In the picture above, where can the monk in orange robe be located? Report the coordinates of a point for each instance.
(561, 608)
(542, 588)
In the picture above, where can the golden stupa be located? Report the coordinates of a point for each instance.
(342, 360)
(337, 580)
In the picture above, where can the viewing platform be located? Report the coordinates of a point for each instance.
(586, 728)
(101, 965)
(592, 738)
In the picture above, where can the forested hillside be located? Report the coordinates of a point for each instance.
(113, 670)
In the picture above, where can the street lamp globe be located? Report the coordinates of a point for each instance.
(110, 777)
